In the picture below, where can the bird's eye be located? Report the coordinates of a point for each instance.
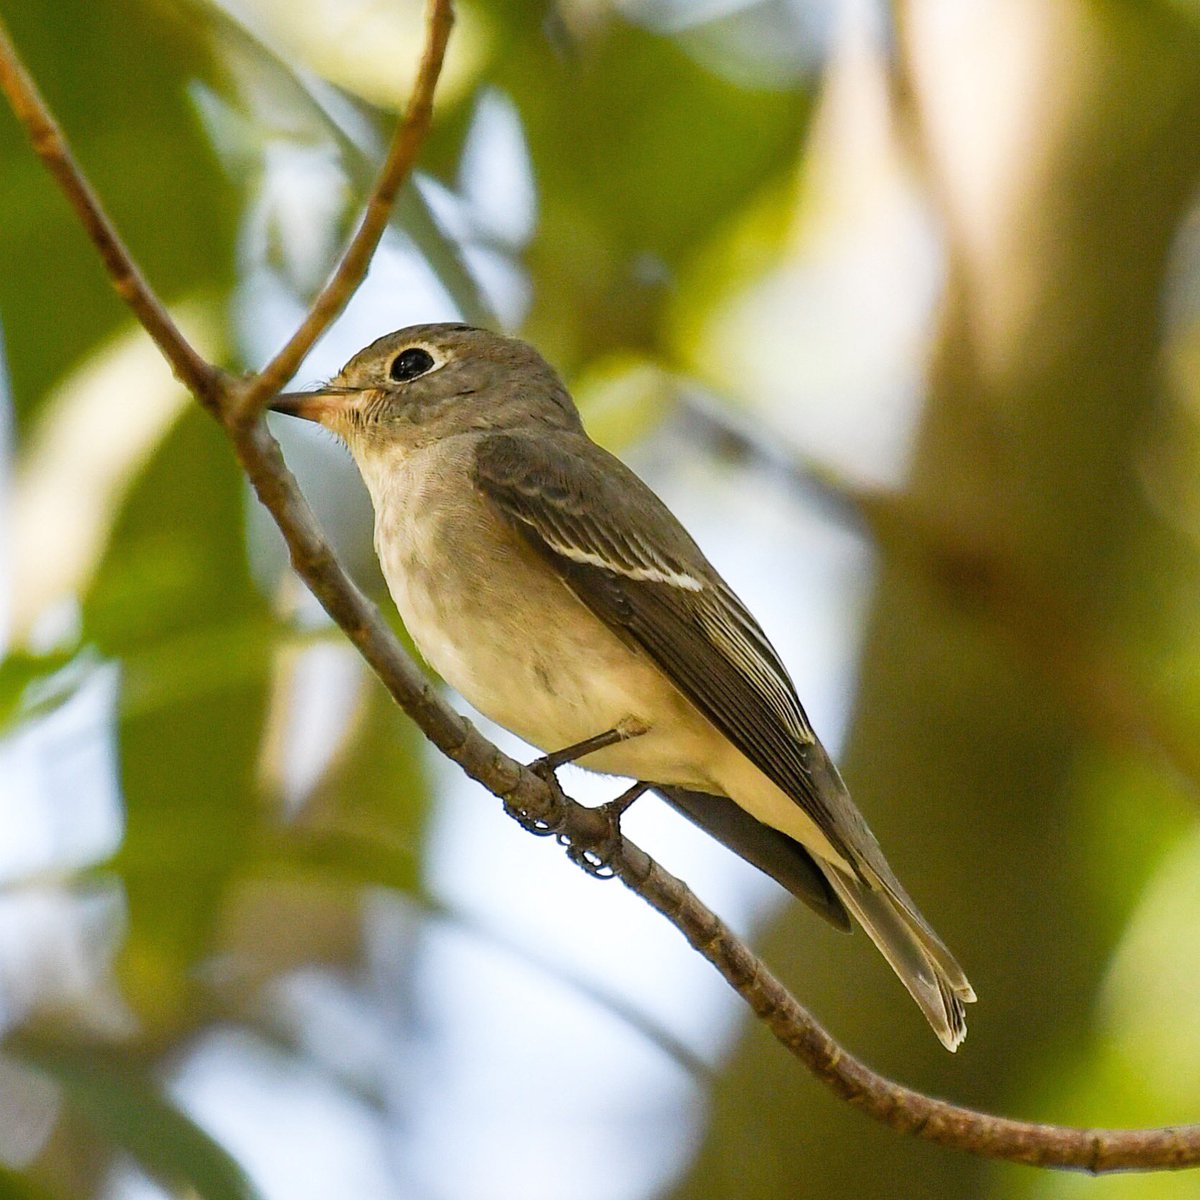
(410, 363)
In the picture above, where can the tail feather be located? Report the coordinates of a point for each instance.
(917, 955)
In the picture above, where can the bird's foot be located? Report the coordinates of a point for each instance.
(596, 858)
(546, 766)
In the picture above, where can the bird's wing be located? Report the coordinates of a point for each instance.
(772, 852)
(624, 554)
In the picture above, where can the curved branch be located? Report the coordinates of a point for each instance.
(893, 1104)
(349, 273)
(528, 796)
(198, 376)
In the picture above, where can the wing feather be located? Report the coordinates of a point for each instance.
(623, 553)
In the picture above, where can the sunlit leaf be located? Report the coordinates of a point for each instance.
(368, 49)
(89, 440)
(623, 398)
(376, 789)
(34, 683)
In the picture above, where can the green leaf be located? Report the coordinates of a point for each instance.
(34, 684)
(127, 1108)
(15, 1186)
(173, 597)
(376, 790)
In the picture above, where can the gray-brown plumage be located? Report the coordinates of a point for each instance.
(544, 581)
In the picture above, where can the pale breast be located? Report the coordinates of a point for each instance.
(503, 630)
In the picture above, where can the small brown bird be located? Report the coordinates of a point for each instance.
(546, 583)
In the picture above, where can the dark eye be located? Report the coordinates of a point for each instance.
(408, 364)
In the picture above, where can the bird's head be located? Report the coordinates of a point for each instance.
(429, 382)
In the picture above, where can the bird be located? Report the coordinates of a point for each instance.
(542, 579)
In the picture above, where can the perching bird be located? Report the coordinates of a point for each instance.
(545, 582)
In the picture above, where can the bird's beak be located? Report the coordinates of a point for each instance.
(324, 405)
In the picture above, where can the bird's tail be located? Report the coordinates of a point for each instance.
(929, 971)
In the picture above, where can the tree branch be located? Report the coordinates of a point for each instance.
(529, 797)
(349, 273)
(198, 376)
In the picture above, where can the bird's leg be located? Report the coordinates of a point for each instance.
(621, 732)
(595, 859)
(545, 767)
(614, 810)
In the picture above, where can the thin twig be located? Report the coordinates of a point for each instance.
(198, 376)
(538, 802)
(350, 271)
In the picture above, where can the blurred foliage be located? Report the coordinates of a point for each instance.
(660, 171)
(126, 1109)
(626, 205)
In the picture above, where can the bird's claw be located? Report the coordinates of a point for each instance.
(544, 768)
(594, 861)
(530, 824)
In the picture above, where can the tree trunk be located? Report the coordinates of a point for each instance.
(965, 748)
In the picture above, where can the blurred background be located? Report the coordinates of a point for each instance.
(897, 306)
